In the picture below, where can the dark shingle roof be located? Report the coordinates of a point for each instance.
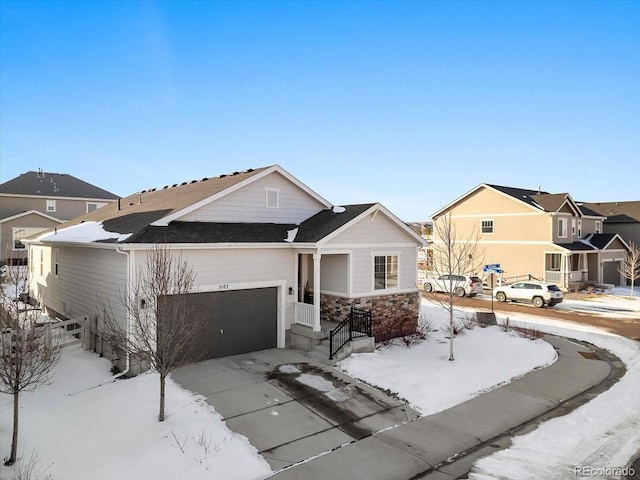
(548, 202)
(576, 246)
(53, 185)
(616, 212)
(204, 232)
(327, 221)
(311, 230)
(600, 240)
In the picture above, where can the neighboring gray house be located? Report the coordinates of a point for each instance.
(36, 201)
(273, 259)
(622, 218)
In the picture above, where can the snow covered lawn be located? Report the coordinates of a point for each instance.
(485, 358)
(112, 431)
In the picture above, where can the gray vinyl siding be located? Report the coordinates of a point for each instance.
(248, 204)
(66, 208)
(240, 268)
(374, 228)
(362, 264)
(29, 221)
(334, 273)
(84, 275)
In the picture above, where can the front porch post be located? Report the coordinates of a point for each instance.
(316, 292)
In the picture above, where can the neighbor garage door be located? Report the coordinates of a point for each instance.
(610, 273)
(238, 321)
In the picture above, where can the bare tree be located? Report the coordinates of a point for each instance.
(162, 331)
(630, 267)
(28, 353)
(453, 254)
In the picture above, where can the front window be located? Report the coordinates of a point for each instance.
(51, 205)
(486, 226)
(598, 227)
(385, 272)
(553, 262)
(20, 233)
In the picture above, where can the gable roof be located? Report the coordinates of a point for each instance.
(30, 212)
(616, 212)
(137, 211)
(592, 242)
(536, 199)
(50, 185)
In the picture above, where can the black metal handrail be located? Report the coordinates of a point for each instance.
(357, 324)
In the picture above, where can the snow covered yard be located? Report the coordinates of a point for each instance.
(112, 431)
(485, 358)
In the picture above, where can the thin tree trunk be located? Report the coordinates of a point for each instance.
(14, 438)
(451, 334)
(161, 414)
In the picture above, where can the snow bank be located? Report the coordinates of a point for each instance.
(112, 431)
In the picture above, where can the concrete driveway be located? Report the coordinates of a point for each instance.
(290, 406)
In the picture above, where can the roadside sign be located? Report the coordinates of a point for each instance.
(492, 268)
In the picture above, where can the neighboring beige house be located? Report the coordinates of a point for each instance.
(425, 254)
(36, 201)
(274, 260)
(530, 232)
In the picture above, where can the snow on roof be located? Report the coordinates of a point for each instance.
(86, 232)
(339, 209)
(291, 235)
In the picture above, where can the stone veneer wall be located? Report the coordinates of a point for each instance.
(392, 315)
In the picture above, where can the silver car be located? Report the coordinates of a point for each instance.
(538, 293)
(460, 285)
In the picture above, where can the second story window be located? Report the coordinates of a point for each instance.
(598, 226)
(486, 226)
(562, 227)
(91, 206)
(51, 205)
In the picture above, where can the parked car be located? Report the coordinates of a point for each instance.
(460, 285)
(538, 293)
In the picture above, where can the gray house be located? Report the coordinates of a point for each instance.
(36, 201)
(622, 218)
(274, 260)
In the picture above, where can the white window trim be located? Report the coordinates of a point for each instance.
(492, 226)
(562, 232)
(97, 204)
(270, 191)
(598, 226)
(373, 271)
(51, 206)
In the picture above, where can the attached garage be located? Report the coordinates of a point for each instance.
(238, 321)
(610, 273)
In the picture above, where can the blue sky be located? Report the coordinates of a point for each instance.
(409, 103)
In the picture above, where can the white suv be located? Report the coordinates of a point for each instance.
(538, 293)
(460, 285)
